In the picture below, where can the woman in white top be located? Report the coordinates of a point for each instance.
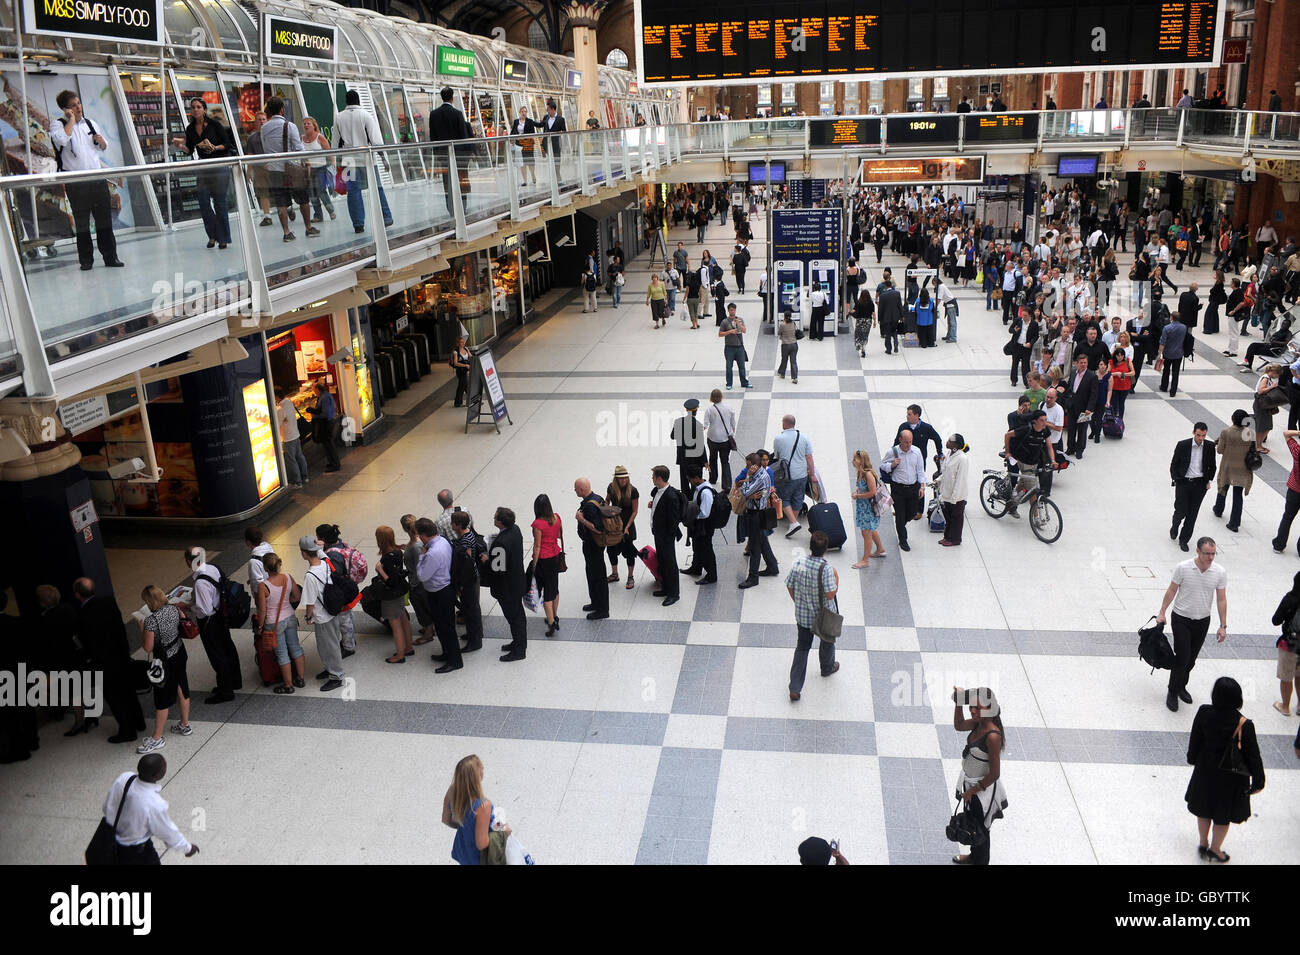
(720, 433)
(321, 181)
(954, 487)
(276, 598)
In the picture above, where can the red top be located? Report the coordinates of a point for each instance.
(1121, 383)
(1293, 480)
(550, 537)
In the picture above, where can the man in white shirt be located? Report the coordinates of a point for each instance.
(1055, 420)
(903, 466)
(295, 462)
(719, 430)
(258, 547)
(1196, 585)
(355, 127)
(213, 631)
(325, 625)
(143, 814)
(78, 145)
(793, 447)
(1265, 237)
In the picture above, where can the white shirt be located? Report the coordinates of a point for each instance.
(143, 816)
(954, 479)
(1197, 590)
(1194, 469)
(1055, 419)
(256, 570)
(313, 585)
(354, 127)
(288, 415)
(206, 596)
(79, 149)
(719, 422)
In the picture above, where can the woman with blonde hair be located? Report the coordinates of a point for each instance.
(162, 641)
(392, 586)
(275, 602)
(468, 811)
(864, 506)
(419, 596)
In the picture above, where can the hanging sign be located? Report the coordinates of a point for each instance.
(300, 40)
(122, 21)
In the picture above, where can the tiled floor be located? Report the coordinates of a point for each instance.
(666, 736)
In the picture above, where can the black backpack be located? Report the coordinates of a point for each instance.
(58, 151)
(340, 591)
(720, 512)
(233, 602)
(1153, 647)
(591, 282)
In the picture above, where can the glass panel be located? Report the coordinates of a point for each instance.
(181, 23)
(1154, 124)
(481, 169)
(422, 104)
(168, 274)
(245, 97)
(231, 38)
(365, 52)
(420, 206)
(8, 348)
(146, 94)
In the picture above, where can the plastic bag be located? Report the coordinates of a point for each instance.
(516, 854)
(883, 499)
(533, 599)
(340, 182)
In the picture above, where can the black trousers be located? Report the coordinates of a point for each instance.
(1021, 364)
(91, 199)
(890, 338)
(720, 453)
(907, 504)
(462, 386)
(593, 557)
(1077, 435)
(467, 598)
(513, 611)
(1008, 306)
(1189, 637)
(955, 516)
(879, 248)
(121, 699)
(702, 555)
(1289, 511)
(326, 432)
(222, 654)
(701, 462)
(443, 604)
(760, 550)
(625, 548)
(1188, 495)
(669, 577)
(740, 279)
(1169, 377)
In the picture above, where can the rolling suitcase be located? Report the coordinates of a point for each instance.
(826, 518)
(267, 668)
(1112, 425)
(650, 559)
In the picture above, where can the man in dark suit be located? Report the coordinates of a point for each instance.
(1192, 472)
(889, 309)
(1145, 342)
(666, 508)
(553, 123)
(692, 448)
(1081, 388)
(1188, 306)
(503, 568)
(103, 635)
(447, 124)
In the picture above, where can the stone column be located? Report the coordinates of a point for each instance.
(583, 17)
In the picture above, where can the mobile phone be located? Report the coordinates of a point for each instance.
(835, 845)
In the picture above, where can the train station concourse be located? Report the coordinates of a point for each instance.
(559, 464)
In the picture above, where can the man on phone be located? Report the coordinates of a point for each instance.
(78, 146)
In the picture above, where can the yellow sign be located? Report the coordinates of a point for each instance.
(261, 438)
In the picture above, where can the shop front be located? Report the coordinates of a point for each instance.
(512, 299)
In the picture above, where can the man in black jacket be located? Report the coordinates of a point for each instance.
(503, 567)
(553, 123)
(1081, 386)
(1144, 341)
(447, 124)
(1192, 472)
(705, 499)
(1188, 306)
(889, 310)
(922, 432)
(667, 505)
(692, 448)
(593, 551)
(103, 635)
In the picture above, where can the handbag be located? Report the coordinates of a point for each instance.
(883, 500)
(731, 439)
(266, 636)
(769, 518)
(189, 626)
(997, 295)
(103, 848)
(966, 827)
(827, 624)
(798, 334)
(295, 173)
(1254, 459)
(737, 501)
(340, 182)
(1233, 761)
(564, 563)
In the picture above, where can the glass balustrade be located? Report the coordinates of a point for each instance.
(1154, 125)
(420, 206)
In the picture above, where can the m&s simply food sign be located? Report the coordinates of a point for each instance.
(123, 21)
(300, 40)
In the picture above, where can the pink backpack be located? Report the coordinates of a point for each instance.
(353, 560)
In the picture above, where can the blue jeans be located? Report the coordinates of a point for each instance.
(287, 646)
(322, 185)
(672, 301)
(950, 313)
(736, 356)
(214, 205)
(1234, 518)
(356, 199)
(988, 299)
(617, 293)
(295, 462)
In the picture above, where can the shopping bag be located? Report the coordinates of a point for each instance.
(533, 599)
(516, 854)
(340, 182)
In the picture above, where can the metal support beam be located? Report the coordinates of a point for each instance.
(37, 379)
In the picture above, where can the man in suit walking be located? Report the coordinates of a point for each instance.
(447, 124)
(1192, 472)
(553, 122)
(666, 508)
(1082, 385)
(889, 309)
(99, 624)
(1173, 342)
(503, 567)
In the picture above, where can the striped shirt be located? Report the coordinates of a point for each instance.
(760, 481)
(1196, 590)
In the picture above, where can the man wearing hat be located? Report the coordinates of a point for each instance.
(817, 851)
(325, 625)
(692, 448)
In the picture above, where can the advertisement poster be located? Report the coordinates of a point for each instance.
(313, 356)
(261, 439)
(495, 393)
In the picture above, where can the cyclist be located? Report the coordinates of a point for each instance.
(1030, 445)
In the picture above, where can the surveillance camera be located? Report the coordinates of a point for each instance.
(341, 357)
(563, 241)
(124, 469)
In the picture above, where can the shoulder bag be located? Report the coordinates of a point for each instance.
(189, 627)
(103, 848)
(731, 438)
(1233, 761)
(295, 173)
(266, 636)
(827, 624)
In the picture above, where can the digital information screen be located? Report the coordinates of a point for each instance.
(954, 170)
(806, 234)
(843, 132)
(922, 130)
(758, 172)
(709, 44)
(805, 192)
(1001, 127)
(1076, 165)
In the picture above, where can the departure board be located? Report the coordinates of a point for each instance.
(910, 130)
(954, 170)
(1001, 127)
(711, 43)
(843, 132)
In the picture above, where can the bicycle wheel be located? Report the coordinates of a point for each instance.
(995, 505)
(1045, 520)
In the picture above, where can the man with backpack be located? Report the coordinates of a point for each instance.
(78, 146)
(705, 512)
(354, 566)
(321, 574)
(740, 262)
(589, 286)
(213, 629)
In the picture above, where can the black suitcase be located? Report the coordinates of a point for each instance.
(826, 518)
(384, 380)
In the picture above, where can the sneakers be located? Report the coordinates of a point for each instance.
(182, 729)
(151, 745)
(794, 529)
(794, 381)
(329, 685)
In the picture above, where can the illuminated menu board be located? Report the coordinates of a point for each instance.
(955, 170)
(713, 43)
(843, 132)
(1001, 127)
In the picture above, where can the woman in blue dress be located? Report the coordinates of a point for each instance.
(864, 508)
(468, 811)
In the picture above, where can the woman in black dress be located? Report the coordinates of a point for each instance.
(1217, 796)
(1218, 296)
(460, 363)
